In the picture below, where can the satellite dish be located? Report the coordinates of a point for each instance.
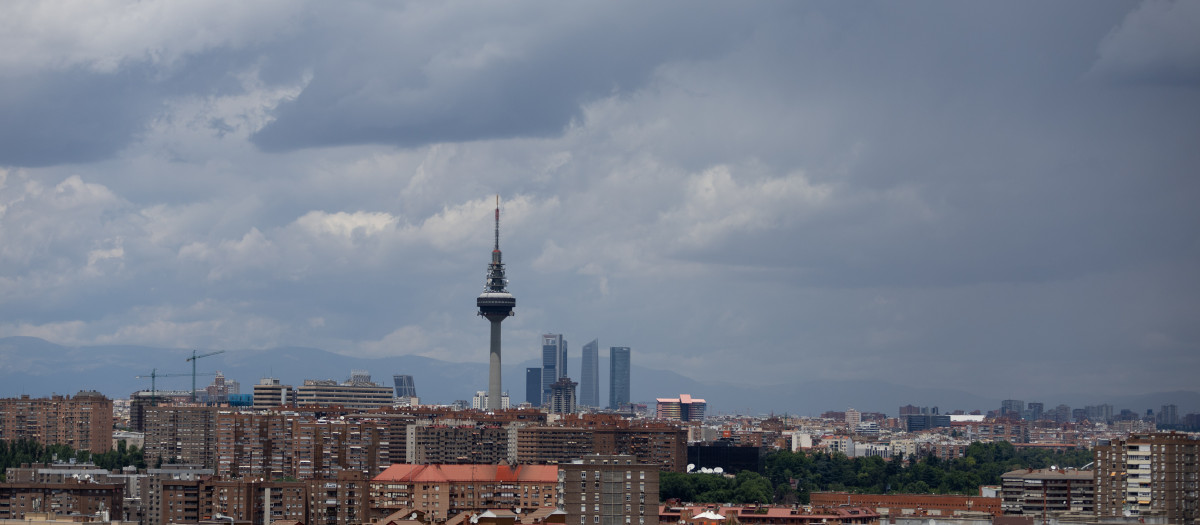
(691, 467)
(718, 470)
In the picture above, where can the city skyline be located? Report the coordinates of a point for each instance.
(990, 198)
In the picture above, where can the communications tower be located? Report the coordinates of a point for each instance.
(496, 304)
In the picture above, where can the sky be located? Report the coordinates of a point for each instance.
(998, 197)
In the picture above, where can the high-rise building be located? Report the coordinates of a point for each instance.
(495, 304)
(609, 490)
(1033, 411)
(1168, 415)
(405, 387)
(618, 376)
(1148, 475)
(682, 408)
(554, 362)
(853, 418)
(562, 396)
(84, 422)
(533, 386)
(1012, 408)
(589, 376)
(268, 393)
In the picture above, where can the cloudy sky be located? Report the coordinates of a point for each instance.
(992, 196)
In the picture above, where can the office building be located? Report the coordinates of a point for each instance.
(589, 375)
(554, 362)
(1168, 415)
(268, 393)
(495, 304)
(405, 387)
(355, 395)
(562, 396)
(618, 377)
(609, 490)
(1033, 411)
(533, 386)
(682, 408)
(1012, 408)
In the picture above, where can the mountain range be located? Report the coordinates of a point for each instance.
(37, 367)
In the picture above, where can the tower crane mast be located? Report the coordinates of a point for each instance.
(193, 360)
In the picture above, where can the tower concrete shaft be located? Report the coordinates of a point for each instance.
(495, 304)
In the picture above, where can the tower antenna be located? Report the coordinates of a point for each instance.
(495, 304)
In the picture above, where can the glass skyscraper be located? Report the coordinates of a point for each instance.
(554, 362)
(589, 375)
(618, 376)
(533, 386)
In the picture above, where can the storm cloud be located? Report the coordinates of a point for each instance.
(997, 197)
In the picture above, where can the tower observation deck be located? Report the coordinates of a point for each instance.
(495, 304)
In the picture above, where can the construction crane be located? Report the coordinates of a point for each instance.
(193, 360)
(153, 387)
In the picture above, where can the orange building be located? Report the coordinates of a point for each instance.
(83, 422)
(443, 491)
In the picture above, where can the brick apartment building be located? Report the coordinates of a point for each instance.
(181, 434)
(1149, 475)
(444, 491)
(83, 422)
(19, 499)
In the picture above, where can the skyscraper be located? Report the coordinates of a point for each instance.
(589, 377)
(618, 376)
(405, 387)
(554, 362)
(495, 304)
(533, 386)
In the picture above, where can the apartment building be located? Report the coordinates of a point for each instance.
(1151, 474)
(18, 500)
(457, 442)
(444, 491)
(358, 395)
(83, 422)
(181, 434)
(609, 490)
(1041, 492)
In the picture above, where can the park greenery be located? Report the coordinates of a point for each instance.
(789, 477)
(18, 452)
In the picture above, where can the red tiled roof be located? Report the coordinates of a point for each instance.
(461, 473)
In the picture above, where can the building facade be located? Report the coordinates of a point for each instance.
(1149, 475)
(405, 386)
(83, 422)
(533, 386)
(589, 375)
(1040, 492)
(444, 491)
(608, 490)
(554, 362)
(562, 396)
(682, 408)
(358, 395)
(618, 377)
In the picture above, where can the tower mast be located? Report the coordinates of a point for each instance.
(495, 304)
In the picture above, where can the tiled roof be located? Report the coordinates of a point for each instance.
(464, 473)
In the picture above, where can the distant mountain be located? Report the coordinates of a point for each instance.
(37, 367)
